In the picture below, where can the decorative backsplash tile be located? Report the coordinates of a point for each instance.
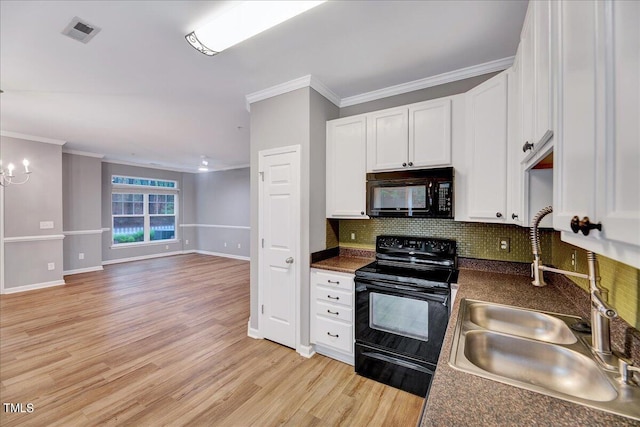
(474, 240)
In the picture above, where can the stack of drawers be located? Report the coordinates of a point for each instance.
(332, 314)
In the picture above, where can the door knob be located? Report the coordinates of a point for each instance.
(584, 225)
(289, 260)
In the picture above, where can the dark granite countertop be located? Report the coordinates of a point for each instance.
(344, 264)
(461, 399)
(345, 260)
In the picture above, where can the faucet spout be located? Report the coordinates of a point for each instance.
(536, 266)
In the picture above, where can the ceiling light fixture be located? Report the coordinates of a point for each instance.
(243, 21)
(204, 166)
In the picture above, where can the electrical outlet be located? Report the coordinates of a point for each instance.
(505, 244)
(44, 225)
(574, 260)
(51, 266)
(81, 255)
(238, 245)
(353, 236)
(225, 244)
(186, 242)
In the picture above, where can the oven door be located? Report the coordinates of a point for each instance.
(402, 319)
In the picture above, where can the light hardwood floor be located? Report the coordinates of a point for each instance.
(164, 342)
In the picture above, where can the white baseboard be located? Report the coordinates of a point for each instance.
(253, 333)
(140, 258)
(34, 286)
(306, 351)
(241, 257)
(82, 270)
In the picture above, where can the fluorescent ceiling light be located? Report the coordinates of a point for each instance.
(244, 20)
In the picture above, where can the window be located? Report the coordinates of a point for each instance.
(143, 216)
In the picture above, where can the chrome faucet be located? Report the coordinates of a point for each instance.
(601, 311)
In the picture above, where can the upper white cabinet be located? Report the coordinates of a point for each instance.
(535, 77)
(413, 136)
(346, 167)
(486, 162)
(387, 139)
(430, 133)
(597, 153)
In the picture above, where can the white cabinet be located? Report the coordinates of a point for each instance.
(597, 153)
(535, 77)
(413, 136)
(430, 133)
(332, 314)
(486, 162)
(346, 167)
(387, 139)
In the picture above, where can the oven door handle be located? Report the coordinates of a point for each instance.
(396, 361)
(421, 293)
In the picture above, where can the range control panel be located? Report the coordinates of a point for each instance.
(425, 245)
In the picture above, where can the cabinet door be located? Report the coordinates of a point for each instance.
(527, 80)
(346, 168)
(597, 150)
(387, 140)
(430, 134)
(542, 71)
(619, 154)
(487, 146)
(575, 151)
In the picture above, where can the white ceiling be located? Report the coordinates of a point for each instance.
(139, 93)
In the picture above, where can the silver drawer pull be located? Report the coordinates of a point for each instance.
(337, 282)
(333, 312)
(334, 336)
(335, 298)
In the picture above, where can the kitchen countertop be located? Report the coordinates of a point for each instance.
(460, 399)
(344, 264)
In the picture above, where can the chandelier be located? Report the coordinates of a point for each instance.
(10, 176)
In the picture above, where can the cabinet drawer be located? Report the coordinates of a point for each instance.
(334, 296)
(332, 280)
(334, 334)
(334, 311)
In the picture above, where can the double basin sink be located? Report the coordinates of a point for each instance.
(537, 351)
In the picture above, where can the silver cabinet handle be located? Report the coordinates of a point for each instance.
(289, 260)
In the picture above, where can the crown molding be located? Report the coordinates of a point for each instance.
(322, 89)
(83, 153)
(452, 76)
(32, 138)
(290, 86)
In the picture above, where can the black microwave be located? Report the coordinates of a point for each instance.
(424, 193)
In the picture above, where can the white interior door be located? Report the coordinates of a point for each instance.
(279, 216)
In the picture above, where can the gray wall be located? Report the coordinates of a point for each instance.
(295, 118)
(222, 212)
(132, 252)
(82, 200)
(25, 206)
(440, 91)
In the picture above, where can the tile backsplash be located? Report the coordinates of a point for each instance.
(481, 240)
(475, 240)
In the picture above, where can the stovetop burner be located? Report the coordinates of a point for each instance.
(421, 261)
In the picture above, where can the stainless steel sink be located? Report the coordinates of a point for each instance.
(540, 364)
(537, 351)
(521, 322)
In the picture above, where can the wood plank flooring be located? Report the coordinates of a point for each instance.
(164, 342)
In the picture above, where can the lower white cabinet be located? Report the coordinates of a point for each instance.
(332, 314)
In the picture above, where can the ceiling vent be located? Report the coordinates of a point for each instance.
(80, 30)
